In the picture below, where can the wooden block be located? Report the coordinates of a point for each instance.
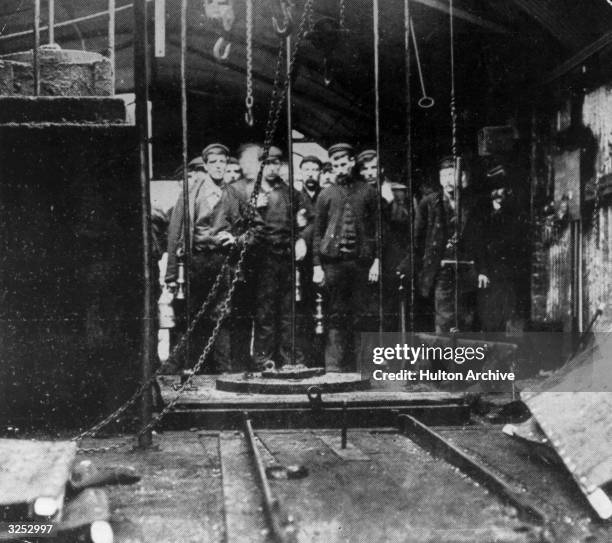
(351, 453)
(34, 469)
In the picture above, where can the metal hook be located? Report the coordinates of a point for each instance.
(287, 21)
(222, 43)
(248, 117)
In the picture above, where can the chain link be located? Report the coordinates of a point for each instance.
(342, 16)
(276, 103)
(249, 100)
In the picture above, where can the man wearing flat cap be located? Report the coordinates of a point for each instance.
(310, 170)
(344, 248)
(448, 262)
(274, 287)
(214, 217)
(499, 307)
(396, 233)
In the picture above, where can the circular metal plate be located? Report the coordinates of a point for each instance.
(256, 384)
(292, 371)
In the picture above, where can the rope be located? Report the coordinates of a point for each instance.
(378, 180)
(457, 169)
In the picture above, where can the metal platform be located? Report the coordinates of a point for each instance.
(276, 383)
(204, 405)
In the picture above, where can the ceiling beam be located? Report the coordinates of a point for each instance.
(464, 15)
(577, 59)
(549, 19)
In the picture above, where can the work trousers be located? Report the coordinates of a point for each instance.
(205, 265)
(444, 303)
(497, 304)
(273, 310)
(349, 304)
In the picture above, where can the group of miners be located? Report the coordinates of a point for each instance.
(330, 224)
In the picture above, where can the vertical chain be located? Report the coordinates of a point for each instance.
(248, 102)
(342, 19)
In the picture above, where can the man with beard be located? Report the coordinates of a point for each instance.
(310, 169)
(344, 248)
(213, 224)
(498, 306)
(396, 234)
(448, 261)
(273, 273)
(327, 175)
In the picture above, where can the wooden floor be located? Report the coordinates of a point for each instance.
(200, 486)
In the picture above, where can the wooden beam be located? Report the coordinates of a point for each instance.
(564, 33)
(465, 16)
(577, 59)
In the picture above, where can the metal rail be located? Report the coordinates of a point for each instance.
(438, 446)
(282, 527)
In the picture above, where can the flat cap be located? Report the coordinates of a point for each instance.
(341, 148)
(327, 167)
(311, 158)
(274, 153)
(366, 156)
(446, 162)
(215, 148)
(196, 164)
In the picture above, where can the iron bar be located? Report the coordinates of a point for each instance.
(410, 194)
(142, 124)
(111, 40)
(291, 192)
(51, 21)
(69, 22)
(379, 228)
(281, 527)
(184, 140)
(35, 51)
(440, 447)
(343, 434)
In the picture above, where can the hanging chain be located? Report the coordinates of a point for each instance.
(342, 20)
(276, 103)
(248, 102)
(91, 432)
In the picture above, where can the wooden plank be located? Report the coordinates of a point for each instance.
(244, 518)
(407, 496)
(180, 495)
(205, 393)
(31, 469)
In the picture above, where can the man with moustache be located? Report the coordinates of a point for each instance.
(344, 248)
(310, 169)
(274, 289)
(438, 248)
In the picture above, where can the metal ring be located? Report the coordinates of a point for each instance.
(426, 102)
(269, 365)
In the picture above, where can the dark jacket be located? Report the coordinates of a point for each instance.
(212, 210)
(309, 204)
(277, 216)
(432, 234)
(331, 217)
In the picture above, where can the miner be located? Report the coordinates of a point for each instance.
(214, 224)
(344, 255)
(274, 288)
(450, 253)
(396, 235)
